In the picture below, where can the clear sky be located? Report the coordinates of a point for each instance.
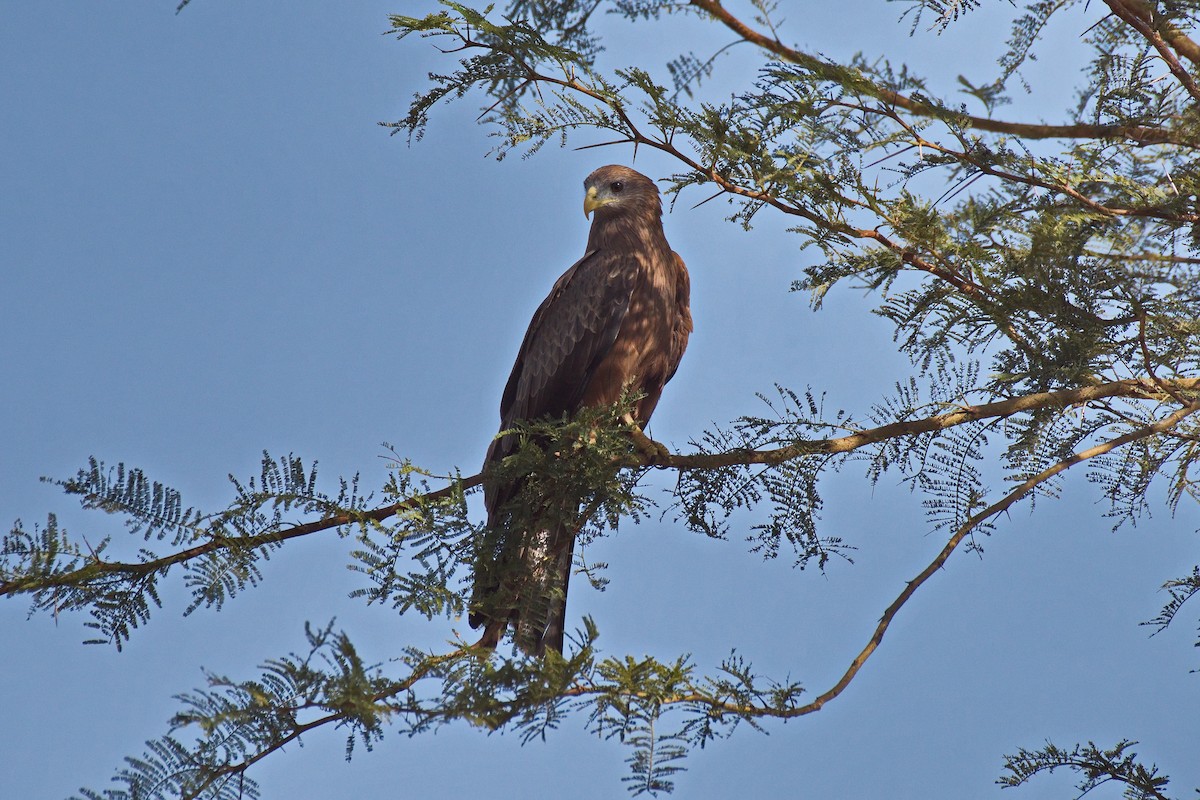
(209, 248)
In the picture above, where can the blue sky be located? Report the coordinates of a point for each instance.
(209, 248)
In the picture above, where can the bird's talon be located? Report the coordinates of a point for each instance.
(654, 452)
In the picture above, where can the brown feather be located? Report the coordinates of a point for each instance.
(617, 320)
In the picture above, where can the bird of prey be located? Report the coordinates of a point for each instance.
(617, 321)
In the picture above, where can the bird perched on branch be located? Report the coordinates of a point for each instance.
(615, 324)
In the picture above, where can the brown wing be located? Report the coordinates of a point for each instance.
(619, 315)
(650, 345)
(682, 323)
(571, 332)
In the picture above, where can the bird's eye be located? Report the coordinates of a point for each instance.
(617, 186)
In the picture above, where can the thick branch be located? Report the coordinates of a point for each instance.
(1143, 22)
(1177, 39)
(659, 457)
(1130, 388)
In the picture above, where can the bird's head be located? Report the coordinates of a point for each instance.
(615, 189)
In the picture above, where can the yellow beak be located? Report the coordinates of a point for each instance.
(591, 201)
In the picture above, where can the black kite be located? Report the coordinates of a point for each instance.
(618, 320)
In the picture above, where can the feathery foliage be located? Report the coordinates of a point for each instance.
(1042, 278)
(1095, 766)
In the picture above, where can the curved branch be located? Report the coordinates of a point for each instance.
(911, 587)
(1140, 134)
(998, 507)
(698, 697)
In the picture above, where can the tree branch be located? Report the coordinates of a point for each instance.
(99, 569)
(1140, 134)
(1142, 21)
(696, 696)
(420, 671)
(658, 456)
(936, 564)
(1134, 388)
(998, 507)
(966, 157)
(1178, 40)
